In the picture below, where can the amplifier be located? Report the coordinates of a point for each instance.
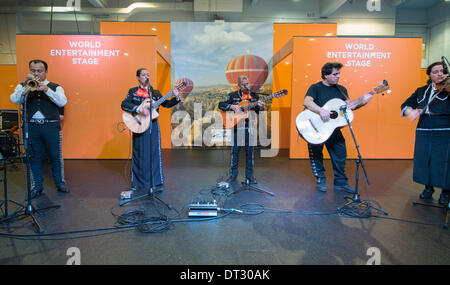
(9, 145)
(8, 119)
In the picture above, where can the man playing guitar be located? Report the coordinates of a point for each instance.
(317, 95)
(231, 104)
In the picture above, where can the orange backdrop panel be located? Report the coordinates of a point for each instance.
(379, 128)
(94, 91)
(163, 83)
(282, 72)
(8, 81)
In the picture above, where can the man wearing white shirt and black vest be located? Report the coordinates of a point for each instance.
(44, 130)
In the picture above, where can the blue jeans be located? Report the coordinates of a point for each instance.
(49, 136)
(338, 154)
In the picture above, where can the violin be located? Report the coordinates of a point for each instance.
(444, 85)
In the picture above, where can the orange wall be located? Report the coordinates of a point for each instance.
(8, 81)
(379, 128)
(163, 82)
(282, 72)
(95, 91)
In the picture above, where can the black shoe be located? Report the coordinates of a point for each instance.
(251, 180)
(346, 188)
(62, 189)
(444, 198)
(34, 194)
(159, 189)
(427, 193)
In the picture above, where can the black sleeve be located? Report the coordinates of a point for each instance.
(256, 97)
(312, 92)
(168, 103)
(225, 105)
(411, 101)
(127, 103)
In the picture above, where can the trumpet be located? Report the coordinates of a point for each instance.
(32, 84)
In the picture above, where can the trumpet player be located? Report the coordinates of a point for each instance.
(43, 100)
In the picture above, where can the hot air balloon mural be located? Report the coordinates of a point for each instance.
(188, 87)
(253, 66)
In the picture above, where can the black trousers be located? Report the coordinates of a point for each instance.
(338, 154)
(242, 138)
(46, 135)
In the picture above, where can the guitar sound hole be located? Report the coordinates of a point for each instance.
(334, 114)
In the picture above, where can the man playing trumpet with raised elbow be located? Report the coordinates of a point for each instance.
(42, 99)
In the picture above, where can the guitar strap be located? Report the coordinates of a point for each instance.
(343, 94)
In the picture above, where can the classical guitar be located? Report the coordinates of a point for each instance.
(230, 118)
(139, 123)
(314, 130)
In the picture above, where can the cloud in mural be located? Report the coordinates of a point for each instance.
(201, 51)
(217, 36)
(253, 66)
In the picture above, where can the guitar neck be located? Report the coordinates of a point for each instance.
(252, 105)
(161, 100)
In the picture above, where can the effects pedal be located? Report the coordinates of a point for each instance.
(125, 195)
(203, 209)
(223, 185)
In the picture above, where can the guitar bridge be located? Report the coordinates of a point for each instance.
(137, 120)
(314, 127)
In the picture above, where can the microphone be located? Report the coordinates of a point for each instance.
(444, 64)
(343, 108)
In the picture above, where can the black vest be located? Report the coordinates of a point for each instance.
(39, 101)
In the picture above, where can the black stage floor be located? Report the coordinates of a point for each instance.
(298, 225)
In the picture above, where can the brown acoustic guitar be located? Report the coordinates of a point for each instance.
(139, 123)
(231, 118)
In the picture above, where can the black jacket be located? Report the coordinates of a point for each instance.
(439, 108)
(234, 98)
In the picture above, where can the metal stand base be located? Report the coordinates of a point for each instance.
(30, 211)
(355, 204)
(447, 210)
(150, 195)
(247, 186)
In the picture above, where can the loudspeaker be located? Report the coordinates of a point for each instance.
(8, 119)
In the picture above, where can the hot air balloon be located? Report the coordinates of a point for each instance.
(254, 67)
(187, 89)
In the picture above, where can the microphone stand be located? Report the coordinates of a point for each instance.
(5, 192)
(355, 201)
(28, 210)
(151, 191)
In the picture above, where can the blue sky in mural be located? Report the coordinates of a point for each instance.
(201, 51)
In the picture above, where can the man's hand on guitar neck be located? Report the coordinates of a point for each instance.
(361, 101)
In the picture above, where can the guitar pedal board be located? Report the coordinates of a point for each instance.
(203, 208)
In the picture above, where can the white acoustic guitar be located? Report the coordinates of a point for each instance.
(314, 130)
(139, 123)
